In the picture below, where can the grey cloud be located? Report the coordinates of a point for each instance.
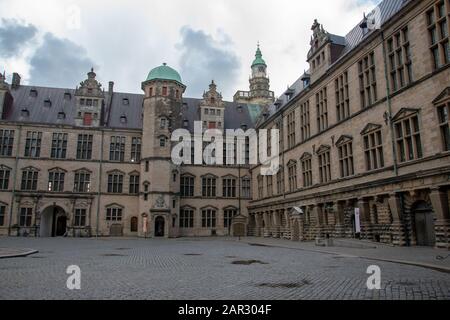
(204, 58)
(59, 62)
(14, 36)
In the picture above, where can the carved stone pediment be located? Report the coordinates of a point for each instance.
(344, 139)
(323, 148)
(404, 112)
(370, 127)
(305, 156)
(444, 96)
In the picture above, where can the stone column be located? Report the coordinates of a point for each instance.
(366, 225)
(397, 227)
(339, 229)
(277, 224)
(439, 201)
(258, 224)
(266, 229)
(318, 213)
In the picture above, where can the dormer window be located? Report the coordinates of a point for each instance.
(150, 92)
(87, 119)
(244, 127)
(186, 123)
(164, 91)
(125, 102)
(33, 93)
(163, 123)
(162, 142)
(25, 113)
(90, 91)
(61, 115)
(67, 96)
(47, 103)
(123, 119)
(213, 100)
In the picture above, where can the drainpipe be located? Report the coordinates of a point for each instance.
(16, 164)
(389, 104)
(99, 185)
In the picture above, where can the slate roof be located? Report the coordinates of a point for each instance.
(235, 116)
(382, 13)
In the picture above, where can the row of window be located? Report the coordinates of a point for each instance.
(59, 146)
(209, 187)
(56, 179)
(407, 142)
(208, 218)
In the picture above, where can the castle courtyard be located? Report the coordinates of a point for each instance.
(215, 268)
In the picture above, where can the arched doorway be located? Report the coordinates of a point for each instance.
(424, 224)
(159, 227)
(53, 222)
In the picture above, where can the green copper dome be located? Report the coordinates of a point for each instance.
(164, 72)
(258, 58)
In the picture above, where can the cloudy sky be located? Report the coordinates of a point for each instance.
(55, 42)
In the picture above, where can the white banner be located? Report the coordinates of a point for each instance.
(357, 221)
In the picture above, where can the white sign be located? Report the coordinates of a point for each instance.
(357, 221)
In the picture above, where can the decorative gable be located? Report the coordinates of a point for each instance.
(344, 139)
(404, 112)
(305, 156)
(444, 96)
(370, 127)
(323, 148)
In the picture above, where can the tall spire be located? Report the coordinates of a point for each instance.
(258, 57)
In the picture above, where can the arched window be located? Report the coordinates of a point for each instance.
(134, 224)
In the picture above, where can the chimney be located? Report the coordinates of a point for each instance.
(111, 87)
(15, 83)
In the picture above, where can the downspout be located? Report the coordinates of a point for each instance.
(389, 105)
(99, 185)
(16, 164)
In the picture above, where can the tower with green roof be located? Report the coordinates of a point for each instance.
(259, 84)
(163, 100)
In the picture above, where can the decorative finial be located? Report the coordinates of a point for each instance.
(164, 64)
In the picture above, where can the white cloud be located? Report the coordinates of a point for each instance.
(127, 38)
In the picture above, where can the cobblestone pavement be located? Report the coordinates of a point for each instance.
(202, 269)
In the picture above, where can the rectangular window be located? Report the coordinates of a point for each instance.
(367, 80)
(291, 129)
(444, 123)
(342, 97)
(246, 188)
(29, 180)
(114, 214)
(80, 218)
(187, 186)
(33, 144)
(305, 127)
(209, 187)
(4, 179)
(438, 30)
(373, 150)
(229, 188)
(228, 216)
(407, 134)
(324, 167)
(346, 165)
(59, 146)
(2, 215)
(208, 218)
(117, 149)
(269, 181)
(322, 110)
(135, 149)
(56, 181)
(280, 181)
(26, 215)
(134, 184)
(115, 183)
(292, 171)
(307, 172)
(186, 218)
(84, 147)
(87, 117)
(400, 63)
(82, 182)
(6, 142)
(260, 187)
